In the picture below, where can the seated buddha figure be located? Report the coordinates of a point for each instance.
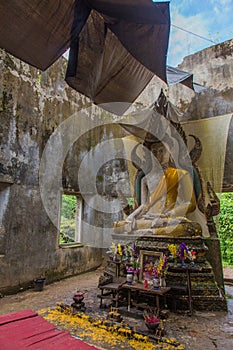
(170, 208)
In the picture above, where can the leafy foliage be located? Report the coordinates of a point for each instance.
(68, 219)
(68, 206)
(130, 201)
(225, 230)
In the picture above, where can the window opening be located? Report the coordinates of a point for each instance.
(70, 219)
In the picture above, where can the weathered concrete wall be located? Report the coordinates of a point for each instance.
(32, 105)
(212, 68)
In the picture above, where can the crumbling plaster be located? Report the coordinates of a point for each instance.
(32, 105)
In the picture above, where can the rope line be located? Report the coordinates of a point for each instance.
(199, 36)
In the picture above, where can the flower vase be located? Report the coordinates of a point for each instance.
(183, 263)
(156, 283)
(135, 277)
(129, 278)
(175, 264)
(162, 282)
(115, 258)
(192, 264)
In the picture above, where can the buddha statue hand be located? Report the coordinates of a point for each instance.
(151, 216)
(136, 213)
(166, 221)
(170, 213)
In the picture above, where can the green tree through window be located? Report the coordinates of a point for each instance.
(70, 222)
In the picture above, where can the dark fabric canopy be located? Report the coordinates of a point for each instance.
(116, 46)
(175, 76)
(37, 32)
(125, 44)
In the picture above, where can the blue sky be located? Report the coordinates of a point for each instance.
(211, 19)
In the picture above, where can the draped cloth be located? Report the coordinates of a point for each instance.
(173, 193)
(116, 46)
(213, 134)
(166, 193)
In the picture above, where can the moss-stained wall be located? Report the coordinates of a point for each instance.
(212, 68)
(32, 105)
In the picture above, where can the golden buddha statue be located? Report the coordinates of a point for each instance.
(170, 209)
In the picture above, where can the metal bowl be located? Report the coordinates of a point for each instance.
(152, 326)
(78, 298)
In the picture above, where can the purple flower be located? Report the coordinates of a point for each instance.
(129, 269)
(136, 270)
(135, 252)
(165, 262)
(155, 272)
(183, 248)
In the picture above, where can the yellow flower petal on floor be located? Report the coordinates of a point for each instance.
(97, 330)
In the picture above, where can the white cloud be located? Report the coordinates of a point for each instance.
(221, 2)
(182, 43)
(210, 19)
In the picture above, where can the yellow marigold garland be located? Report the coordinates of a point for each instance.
(86, 327)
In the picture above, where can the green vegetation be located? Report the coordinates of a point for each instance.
(130, 201)
(225, 229)
(68, 219)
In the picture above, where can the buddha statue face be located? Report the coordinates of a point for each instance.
(161, 152)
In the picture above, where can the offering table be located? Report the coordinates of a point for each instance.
(139, 287)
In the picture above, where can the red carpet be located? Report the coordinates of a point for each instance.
(26, 330)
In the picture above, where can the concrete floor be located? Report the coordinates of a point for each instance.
(203, 330)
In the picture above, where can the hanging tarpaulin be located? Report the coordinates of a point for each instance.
(116, 45)
(38, 32)
(121, 47)
(212, 160)
(175, 76)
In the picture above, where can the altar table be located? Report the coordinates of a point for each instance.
(140, 288)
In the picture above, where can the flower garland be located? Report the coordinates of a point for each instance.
(101, 330)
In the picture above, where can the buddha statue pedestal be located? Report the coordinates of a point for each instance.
(204, 292)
